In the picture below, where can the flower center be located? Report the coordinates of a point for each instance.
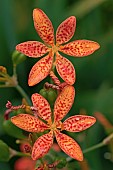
(53, 127)
(55, 48)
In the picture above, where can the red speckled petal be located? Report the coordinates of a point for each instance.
(43, 26)
(40, 168)
(69, 146)
(78, 123)
(65, 69)
(40, 70)
(66, 30)
(32, 48)
(29, 123)
(42, 145)
(44, 110)
(79, 48)
(64, 102)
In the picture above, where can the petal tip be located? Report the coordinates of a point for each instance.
(81, 158)
(98, 46)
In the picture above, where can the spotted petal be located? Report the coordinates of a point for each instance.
(66, 30)
(29, 123)
(78, 123)
(69, 146)
(32, 48)
(79, 48)
(42, 145)
(40, 70)
(65, 69)
(64, 102)
(43, 26)
(44, 110)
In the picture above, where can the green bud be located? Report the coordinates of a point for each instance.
(62, 163)
(18, 57)
(51, 96)
(43, 92)
(13, 130)
(4, 152)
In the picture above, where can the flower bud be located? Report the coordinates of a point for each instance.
(51, 96)
(4, 152)
(18, 57)
(24, 163)
(43, 92)
(12, 130)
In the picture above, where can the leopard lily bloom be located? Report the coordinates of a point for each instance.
(51, 46)
(62, 106)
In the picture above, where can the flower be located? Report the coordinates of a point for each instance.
(24, 163)
(62, 106)
(35, 49)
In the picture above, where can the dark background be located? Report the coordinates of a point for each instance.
(94, 84)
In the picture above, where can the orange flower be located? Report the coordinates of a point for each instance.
(35, 49)
(62, 106)
(24, 163)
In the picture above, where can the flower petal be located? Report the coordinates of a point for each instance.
(44, 110)
(43, 26)
(66, 30)
(63, 102)
(40, 70)
(65, 69)
(42, 145)
(79, 48)
(69, 146)
(78, 123)
(32, 48)
(29, 123)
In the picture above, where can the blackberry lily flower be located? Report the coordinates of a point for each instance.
(35, 49)
(62, 106)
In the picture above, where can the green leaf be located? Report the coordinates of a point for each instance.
(4, 152)
(12, 130)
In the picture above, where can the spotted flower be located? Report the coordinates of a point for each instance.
(51, 46)
(53, 123)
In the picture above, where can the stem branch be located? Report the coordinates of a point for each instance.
(99, 145)
(23, 93)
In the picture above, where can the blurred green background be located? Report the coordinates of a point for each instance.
(94, 84)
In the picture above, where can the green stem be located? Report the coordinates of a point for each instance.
(16, 153)
(23, 93)
(4, 85)
(22, 154)
(14, 70)
(99, 145)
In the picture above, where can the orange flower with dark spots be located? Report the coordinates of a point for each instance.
(62, 106)
(52, 46)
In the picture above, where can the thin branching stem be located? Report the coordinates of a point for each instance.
(99, 145)
(23, 93)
